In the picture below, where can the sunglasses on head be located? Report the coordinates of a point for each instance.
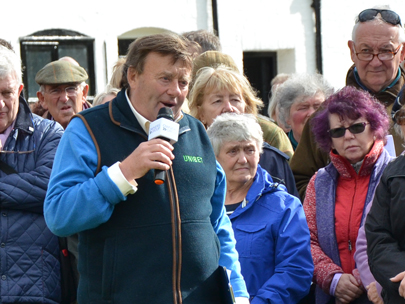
(387, 15)
(354, 129)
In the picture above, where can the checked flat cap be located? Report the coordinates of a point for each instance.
(60, 71)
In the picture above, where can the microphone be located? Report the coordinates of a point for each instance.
(165, 128)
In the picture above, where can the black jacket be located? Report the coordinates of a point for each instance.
(385, 230)
(276, 164)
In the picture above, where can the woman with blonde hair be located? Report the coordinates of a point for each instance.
(221, 89)
(221, 85)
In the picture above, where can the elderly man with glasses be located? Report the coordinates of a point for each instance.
(63, 90)
(377, 49)
(62, 94)
(29, 252)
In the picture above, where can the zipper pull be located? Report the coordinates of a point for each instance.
(350, 246)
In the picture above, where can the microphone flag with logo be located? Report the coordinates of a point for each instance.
(165, 128)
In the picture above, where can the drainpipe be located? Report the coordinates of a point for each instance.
(215, 16)
(316, 5)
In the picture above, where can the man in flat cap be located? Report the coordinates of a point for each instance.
(62, 94)
(63, 90)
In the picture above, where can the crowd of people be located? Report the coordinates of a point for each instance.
(302, 206)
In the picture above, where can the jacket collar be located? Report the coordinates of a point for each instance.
(24, 120)
(346, 170)
(389, 93)
(262, 184)
(121, 115)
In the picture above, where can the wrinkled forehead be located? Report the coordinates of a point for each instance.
(168, 64)
(183, 72)
(234, 142)
(10, 77)
(376, 32)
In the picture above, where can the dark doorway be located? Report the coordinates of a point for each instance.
(260, 68)
(123, 45)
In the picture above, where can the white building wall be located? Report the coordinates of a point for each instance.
(284, 26)
(103, 21)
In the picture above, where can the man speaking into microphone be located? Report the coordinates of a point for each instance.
(140, 242)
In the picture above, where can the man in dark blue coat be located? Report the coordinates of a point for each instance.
(30, 270)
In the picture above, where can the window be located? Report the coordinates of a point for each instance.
(260, 68)
(42, 47)
(123, 45)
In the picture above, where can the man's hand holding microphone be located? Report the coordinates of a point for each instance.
(156, 153)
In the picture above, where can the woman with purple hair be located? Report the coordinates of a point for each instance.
(352, 127)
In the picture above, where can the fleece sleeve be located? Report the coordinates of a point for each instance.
(361, 258)
(78, 200)
(223, 228)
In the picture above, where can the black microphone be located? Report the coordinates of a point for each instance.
(165, 128)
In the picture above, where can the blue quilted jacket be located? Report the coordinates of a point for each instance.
(29, 261)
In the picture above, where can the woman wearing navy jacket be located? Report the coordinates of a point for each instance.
(271, 232)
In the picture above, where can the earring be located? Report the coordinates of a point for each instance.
(203, 121)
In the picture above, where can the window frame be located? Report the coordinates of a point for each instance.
(51, 40)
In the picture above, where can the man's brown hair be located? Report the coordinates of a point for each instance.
(163, 44)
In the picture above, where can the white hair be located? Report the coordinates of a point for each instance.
(299, 85)
(235, 127)
(10, 64)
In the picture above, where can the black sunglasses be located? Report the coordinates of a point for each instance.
(354, 129)
(387, 15)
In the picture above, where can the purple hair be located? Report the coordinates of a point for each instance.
(350, 103)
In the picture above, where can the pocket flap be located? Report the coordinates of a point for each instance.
(250, 228)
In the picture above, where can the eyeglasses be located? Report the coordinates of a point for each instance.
(387, 15)
(354, 129)
(69, 91)
(386, 55)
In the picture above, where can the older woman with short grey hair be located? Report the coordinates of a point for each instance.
(297, 99)
(246, 126)
(271, 232)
